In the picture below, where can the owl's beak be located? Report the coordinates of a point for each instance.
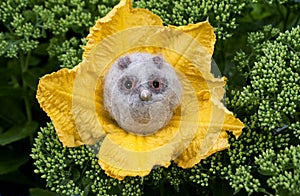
(145, 95)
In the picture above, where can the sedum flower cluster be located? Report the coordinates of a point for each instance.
(52, 25)
(221, 14)
(268, 152)
(273, 72)
(75, 171)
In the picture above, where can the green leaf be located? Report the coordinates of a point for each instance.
(39, 192)
(258, 12)
(31, 76)
(11, 111)
(29, 15)
(5, 74)
(31, 79)
(223, 187)
(266, 173)
(42, 49)
(34, 61)
(17, 177)
(18, 132)
(75, 174)
(13, 66)
(11, 161)
(12, 91)
(86, 190)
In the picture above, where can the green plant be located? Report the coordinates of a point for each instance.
(269, 105)
(37, 37)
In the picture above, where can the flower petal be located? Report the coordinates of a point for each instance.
(119, 162)
(121, 17)
(55, 92)
(203, 32)
(211, 136)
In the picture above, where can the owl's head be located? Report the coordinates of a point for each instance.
(141, 92)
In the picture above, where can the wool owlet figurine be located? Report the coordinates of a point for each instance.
(141, 91)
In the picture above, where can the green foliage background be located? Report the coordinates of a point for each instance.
(257, 50)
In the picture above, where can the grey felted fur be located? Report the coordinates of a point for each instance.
(141, 92)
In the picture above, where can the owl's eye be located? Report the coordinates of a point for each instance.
(128, 84)
(156, 84)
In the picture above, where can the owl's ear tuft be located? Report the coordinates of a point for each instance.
(123, 62)
(158, 61)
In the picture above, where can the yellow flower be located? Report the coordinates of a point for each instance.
(74, 101)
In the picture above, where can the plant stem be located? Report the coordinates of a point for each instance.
(24, 67)
(28, 109)
(286, 19)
